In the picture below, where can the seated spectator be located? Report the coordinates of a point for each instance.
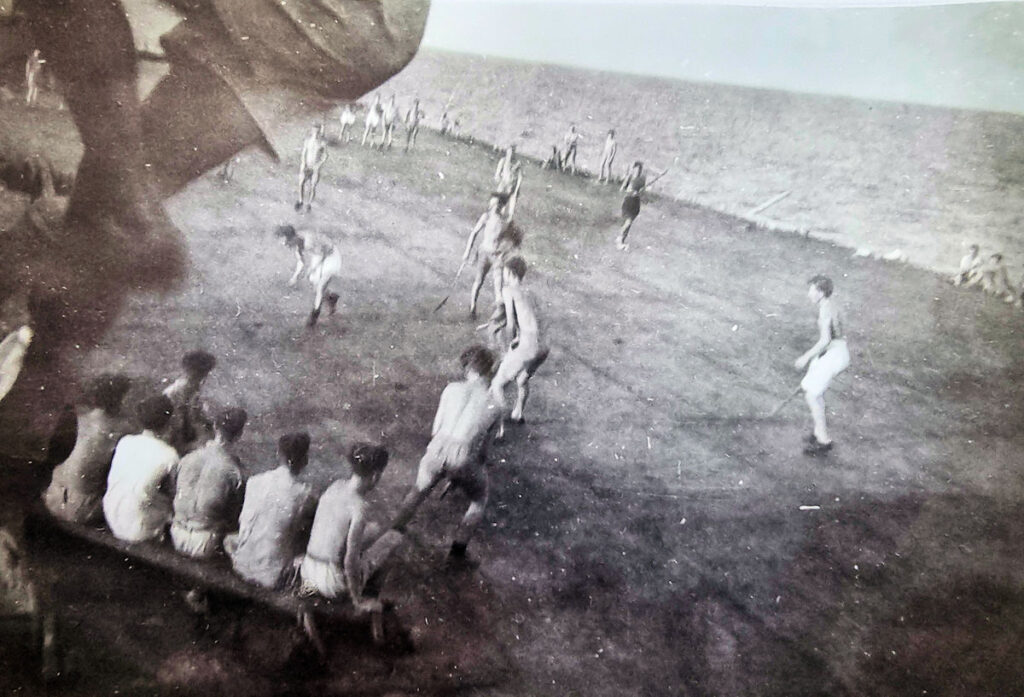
(76, 490)
(210, 490)
(190, 426)
(969, 265)
(137, 504)
(335, 561)
(276, 514)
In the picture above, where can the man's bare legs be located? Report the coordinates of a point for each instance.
(624, 233)
(481, 273)
(817, 406)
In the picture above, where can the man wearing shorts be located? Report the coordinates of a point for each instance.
(825, 360)
(634, 186)
(500, 240)
(324, 265)
(463, 426)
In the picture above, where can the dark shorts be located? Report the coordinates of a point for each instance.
(631, 206)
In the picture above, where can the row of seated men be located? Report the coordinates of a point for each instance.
(174, 470)
(990, 273)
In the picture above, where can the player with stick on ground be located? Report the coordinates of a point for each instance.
(825, 360)
(324, 265)
(526, 353)
(500, 239)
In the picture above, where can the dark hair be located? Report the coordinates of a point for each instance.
(367, 459)
(198, 363)
(285, 231)
(822, 283)
(478, 359)
(611, 132)
(107, 391)
(230, 423)
(154, 412)
(501, 196)
(295, 449)
(997, 256)
(639, 164)
(517, 266)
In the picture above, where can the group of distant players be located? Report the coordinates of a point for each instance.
(990, 274)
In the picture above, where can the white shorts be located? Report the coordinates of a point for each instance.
(825, 367)
(198, 543)
(328, 268)
(328, 578)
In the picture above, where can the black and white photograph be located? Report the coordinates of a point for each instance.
(511, 348)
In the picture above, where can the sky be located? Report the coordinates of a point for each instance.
(961, 55)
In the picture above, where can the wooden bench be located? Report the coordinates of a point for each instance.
(217, 575)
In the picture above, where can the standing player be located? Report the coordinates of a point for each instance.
(500, 239)
(373, 118)
(33, 66)
(348, 121)
(569, 151)
(826, 359)
(324, 264)
(412, 123)
(634, 186)
(525, 353)
(314, 154)
(607, 158)
(389, 114)
(463, 426)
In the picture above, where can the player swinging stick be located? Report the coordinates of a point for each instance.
(324, 265)
(498, 240)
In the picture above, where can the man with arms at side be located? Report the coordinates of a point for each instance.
(275, 519)
(314, 155)
(210, 490)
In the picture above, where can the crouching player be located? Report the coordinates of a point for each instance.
(335, 560)
(825, 360)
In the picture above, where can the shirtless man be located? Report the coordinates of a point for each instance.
(463, 426)
(500, 239)
(388, 117)
(970, 263)
(33, 66)
(634, 185)
(335, 561)
(526, 352)
(444, 124)
(508, 172)
(324, 264)
(314, 154)
(210, 487)
(994, 279)
(826, 359)
(373, 120)
(348, 121)
(607, 158)
(412, 123)
(76, 490)
(191, 425)
(572, 137)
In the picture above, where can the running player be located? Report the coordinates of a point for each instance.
(825, 360)
(634, 186)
